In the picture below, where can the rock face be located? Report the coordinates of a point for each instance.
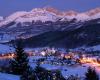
(50, 27)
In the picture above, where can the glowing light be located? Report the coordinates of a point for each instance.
(62, 55)
(43, 53)
(7, 56)
(67, 57)
(92, 61)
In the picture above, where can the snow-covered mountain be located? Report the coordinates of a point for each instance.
(52, 27)
(49, 14)
(36, 14)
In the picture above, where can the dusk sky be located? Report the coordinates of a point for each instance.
(8, 7)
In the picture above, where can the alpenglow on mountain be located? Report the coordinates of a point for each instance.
(49, 14)
(50, 27)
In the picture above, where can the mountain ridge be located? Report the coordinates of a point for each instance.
(49, 14)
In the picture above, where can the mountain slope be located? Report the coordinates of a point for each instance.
(86, 35)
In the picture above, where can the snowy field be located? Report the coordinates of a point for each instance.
(65, 70)
(6, 49)
(4, 76)
(71, 70)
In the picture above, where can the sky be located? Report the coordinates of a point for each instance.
(8, 7)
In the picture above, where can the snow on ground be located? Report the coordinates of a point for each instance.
(78, 70)
(6, 37)
(94, 48)
(35, 58)
(50, 67)
(97, 47)
(5, 48)
(33, 65)
(5, 76)
(66, 71)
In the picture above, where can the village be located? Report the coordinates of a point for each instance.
(72, 57)
(58, 59)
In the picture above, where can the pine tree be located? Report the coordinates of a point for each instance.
(72, 77)
(59, 76)
(28, 75)
(41, 73)
(91, 74)
(56, 75)
(20, 62)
